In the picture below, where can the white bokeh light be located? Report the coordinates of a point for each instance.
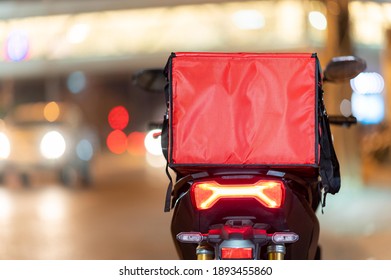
(317, 20)
(53, 145)
(367, 83)
(152, 143)
(368, 108)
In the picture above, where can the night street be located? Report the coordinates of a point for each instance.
(121, 216)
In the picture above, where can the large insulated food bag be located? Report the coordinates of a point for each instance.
(242, 110)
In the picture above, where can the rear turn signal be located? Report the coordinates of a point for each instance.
(268, 193)
(284, 237)
(189, 237)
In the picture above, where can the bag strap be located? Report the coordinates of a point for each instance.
(167, 205)
(329, 165)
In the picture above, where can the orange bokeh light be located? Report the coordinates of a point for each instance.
(117, 141)
(51, 111)
(136, 143)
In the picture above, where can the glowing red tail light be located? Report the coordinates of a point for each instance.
(269, 193)
(236, 253)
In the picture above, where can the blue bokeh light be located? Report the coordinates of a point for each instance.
(76, 82)
(368, 108)
(17, 46)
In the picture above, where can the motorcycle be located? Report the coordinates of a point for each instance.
(267, 212)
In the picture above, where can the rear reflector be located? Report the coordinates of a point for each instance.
(236, 253)
(268, 193)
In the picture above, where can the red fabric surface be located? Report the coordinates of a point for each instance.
(243, 108)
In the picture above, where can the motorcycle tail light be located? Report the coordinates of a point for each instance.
(269, 193)
(236, 253)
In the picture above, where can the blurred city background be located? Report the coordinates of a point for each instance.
(66, 72)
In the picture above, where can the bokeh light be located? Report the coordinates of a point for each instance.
(84, 150)
(136, 143)
(367, 83)
(368, 108)
(118, 117)
(346, 108)
(51, 111)
(53, 145)
(17, 46)
(367, 98)
(117, 142)
(153, 142)
(317, 20)
(76, 82)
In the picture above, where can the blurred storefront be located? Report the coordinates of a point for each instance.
(143, 36)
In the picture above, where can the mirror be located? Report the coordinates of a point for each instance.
(343, 68)
(151, 80)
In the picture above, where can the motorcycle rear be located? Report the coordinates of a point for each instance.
(267, 212)
(249, 216)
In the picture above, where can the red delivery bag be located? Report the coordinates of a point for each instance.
(242, 110)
